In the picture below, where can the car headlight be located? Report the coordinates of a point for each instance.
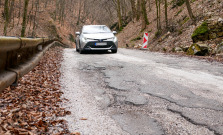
(84, 39)
(113, 38)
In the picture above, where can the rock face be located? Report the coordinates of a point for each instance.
(209, 29)
(198, 49)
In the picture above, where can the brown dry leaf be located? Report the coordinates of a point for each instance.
(30, 133)
(83, 118)
(75, 133)
(7, 133)
(68, 112)
(34, 104)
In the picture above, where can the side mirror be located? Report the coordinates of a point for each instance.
(77, 33)
(114, 32)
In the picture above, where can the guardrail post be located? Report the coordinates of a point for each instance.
(3, 58)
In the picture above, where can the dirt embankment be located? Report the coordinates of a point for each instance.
(180, 30)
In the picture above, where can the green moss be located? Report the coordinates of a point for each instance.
(177, 3)
(150, 31)
(201, 30)
(193, 49)
(193, 1)
(180, 32)
(184, 21)
(137, 38)
(178, 12)
(180, 2)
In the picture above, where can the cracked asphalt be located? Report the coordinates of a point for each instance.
(138, 92)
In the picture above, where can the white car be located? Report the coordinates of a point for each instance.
(96, 37)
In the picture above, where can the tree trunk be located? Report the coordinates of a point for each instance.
(6, 15)
(123, 8)
(138, 10)
(190, 11)
(34, 18)
(11, 10)
(19, 14)
(46, 3)
(145, 21)
(150, 5)
(119, 15)
(133, 9)
(24, 18)
(157, 15)
(79, 13)
(166, 17)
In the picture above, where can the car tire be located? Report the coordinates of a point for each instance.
(77, 50)
(81, 51)
(114, 51)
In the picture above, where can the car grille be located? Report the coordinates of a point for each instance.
(92, 44)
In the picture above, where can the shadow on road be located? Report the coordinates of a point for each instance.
(97, 52)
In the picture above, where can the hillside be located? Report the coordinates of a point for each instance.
(180, 27)
(60, 19)
(45, 16)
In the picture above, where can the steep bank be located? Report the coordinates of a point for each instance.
(179, 33)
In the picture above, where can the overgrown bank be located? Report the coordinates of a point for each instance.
(181, 32)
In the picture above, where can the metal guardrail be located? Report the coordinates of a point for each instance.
(18, 56)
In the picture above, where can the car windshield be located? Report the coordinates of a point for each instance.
(96, 29)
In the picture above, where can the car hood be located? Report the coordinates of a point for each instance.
(99, 35)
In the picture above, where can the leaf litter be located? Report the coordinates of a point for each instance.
(33, 107)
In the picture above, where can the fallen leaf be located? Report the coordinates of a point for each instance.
(75, 133)
(83, 118)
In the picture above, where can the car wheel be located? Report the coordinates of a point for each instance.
(77, 49)
(114, 51)
(81, 51)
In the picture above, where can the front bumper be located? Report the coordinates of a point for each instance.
(92, 46)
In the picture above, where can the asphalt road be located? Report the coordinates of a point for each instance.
(142, 93)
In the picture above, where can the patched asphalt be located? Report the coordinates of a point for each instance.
(139, 92)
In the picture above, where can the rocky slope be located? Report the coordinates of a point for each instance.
(181, 33)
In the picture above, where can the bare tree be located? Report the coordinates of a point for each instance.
(119, 15)
(190, 11)
(133, 9)
(24, 18)
(11, 10)
(166, 17)
(138, 10)
(6, 15)
(145, 20)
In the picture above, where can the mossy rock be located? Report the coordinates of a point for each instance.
(178, 49)
(185, 48)
(198, 49)
(212, 36)
(219, 48)
(201, 33)
(220, 34)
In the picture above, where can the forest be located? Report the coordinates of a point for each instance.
(170, 23)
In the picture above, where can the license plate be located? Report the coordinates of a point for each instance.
(101, 44)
